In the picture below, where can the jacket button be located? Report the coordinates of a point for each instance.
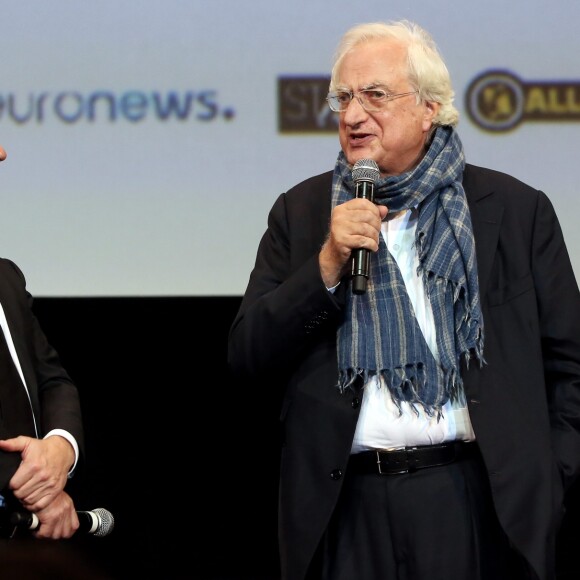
(355, 403)
(335, 474)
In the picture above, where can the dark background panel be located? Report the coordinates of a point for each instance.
(184, 457)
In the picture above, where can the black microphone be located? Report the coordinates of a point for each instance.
(98, 522)
(364, 174)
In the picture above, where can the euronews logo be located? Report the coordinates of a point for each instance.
(132, 106)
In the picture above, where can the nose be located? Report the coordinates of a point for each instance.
(355, 112)
(2, 154)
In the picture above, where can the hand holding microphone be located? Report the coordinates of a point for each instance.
(365, 173)
(98, 522)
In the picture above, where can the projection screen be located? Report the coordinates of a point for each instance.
(147, 140)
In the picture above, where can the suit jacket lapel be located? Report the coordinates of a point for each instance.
(486, 216)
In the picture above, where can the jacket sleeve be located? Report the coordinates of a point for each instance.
(55, 398)
(286, 304)
(559, 311)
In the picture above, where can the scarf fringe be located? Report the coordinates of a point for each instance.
(405, 384)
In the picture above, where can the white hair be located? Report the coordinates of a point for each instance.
(427, 73)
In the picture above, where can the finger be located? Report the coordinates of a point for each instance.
(15, 444)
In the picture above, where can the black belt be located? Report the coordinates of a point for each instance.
(410, 459)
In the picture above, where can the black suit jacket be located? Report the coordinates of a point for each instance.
(524, 402)
(53, 396)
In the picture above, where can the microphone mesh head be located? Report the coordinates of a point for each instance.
(106, 522)
(365, 170)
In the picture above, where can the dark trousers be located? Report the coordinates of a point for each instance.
(437, 523)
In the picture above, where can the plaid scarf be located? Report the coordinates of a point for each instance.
(380, 334)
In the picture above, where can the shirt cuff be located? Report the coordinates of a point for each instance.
(71, 440)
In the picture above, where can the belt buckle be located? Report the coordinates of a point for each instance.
(408, 469)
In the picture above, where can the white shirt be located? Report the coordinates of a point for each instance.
(380, 424)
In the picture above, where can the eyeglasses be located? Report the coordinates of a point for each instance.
(371, 100)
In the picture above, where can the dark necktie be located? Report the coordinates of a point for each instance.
(15, 411)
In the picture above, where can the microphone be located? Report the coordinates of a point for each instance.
(98, 522)
(364, 174)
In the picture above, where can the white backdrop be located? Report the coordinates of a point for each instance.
(121, 180)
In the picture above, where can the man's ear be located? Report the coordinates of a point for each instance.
(431, 111)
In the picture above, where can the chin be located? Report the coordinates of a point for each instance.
(353, 157)
(354, 154)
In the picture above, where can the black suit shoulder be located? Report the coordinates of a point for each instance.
(13, 292)
(303, 212)
(481, 181)
(10, 269)
(316, 182)
(312, 191)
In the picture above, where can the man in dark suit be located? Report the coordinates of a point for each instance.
(430, 419)
(41, 432)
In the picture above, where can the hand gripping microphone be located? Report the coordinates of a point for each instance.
(364, 174)
(98, 522)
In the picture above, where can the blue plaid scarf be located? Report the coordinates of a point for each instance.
(380, 334)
